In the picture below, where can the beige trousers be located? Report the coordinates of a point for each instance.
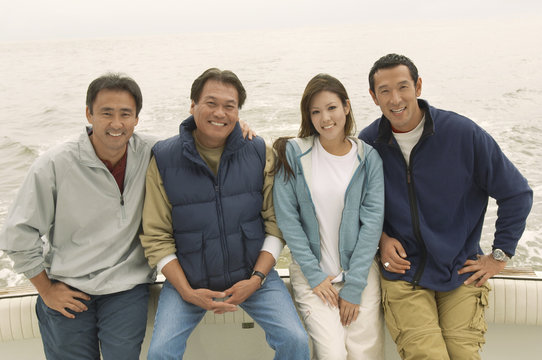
(363, 339)
(427, 324)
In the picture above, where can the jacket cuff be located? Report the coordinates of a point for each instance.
(164, 261)
(315, 279)
(34, 271)
(351, 294)
(272, 245)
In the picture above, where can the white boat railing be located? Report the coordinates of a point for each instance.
(515, 302)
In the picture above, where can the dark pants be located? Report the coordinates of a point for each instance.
(115, 323)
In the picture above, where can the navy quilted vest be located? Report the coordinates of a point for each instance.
(217, 224)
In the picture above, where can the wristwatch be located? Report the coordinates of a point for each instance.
(500, 255)
(259, 274)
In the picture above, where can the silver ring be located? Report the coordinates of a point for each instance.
(386, 264)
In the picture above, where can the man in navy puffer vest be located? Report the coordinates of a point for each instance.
(209, 225)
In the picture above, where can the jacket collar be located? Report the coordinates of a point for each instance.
(305, 144)
(385, 133)
(87, 154)
(234, 142)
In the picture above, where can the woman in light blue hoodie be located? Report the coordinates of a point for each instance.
(329, 203)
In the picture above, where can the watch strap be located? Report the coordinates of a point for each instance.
(259, 274)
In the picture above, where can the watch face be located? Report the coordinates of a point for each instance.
(499, 255)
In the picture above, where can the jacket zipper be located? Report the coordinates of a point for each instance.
(121, 198)
(222, 228)
(414, 215)
(416, 228)
(122, 207)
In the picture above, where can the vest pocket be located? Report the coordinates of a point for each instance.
(191, 258)
(253, 236)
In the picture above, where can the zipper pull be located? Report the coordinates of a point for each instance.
(121, 200)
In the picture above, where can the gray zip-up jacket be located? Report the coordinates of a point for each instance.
(70, 198)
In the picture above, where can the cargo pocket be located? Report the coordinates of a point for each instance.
(478, 322)
(253, 235)
(191, 258)
(391, 323)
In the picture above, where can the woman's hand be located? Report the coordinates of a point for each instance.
(349, 312)
(327, 292)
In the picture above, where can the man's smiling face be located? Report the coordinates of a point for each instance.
(397, 95)
(215, 113)
(113, 118)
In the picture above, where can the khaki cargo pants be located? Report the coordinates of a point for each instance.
(427, 324)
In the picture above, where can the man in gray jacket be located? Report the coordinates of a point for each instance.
(84, 200)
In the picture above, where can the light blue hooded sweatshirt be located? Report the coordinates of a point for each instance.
(362, 217)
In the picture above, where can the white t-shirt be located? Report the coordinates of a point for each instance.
(408, 140)
(330, 177)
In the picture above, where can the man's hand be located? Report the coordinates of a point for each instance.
(242, 290)
(58, 296)
(349, 312)
(247, 131)
(393, 255)
(205, 299)
(483, 268)
(327, 292)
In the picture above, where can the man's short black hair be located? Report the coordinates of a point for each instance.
(391, 61)
(114, 81)
(223, 76)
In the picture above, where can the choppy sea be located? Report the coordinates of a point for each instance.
(490, 71)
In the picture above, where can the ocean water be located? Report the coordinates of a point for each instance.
(488, 70)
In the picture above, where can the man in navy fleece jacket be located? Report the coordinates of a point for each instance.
(440, 168)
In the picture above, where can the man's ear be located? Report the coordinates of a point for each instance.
(373, 95)
(89, 115)
(419, 87)
(192, 105)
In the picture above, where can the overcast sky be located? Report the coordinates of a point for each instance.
(60, 19)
